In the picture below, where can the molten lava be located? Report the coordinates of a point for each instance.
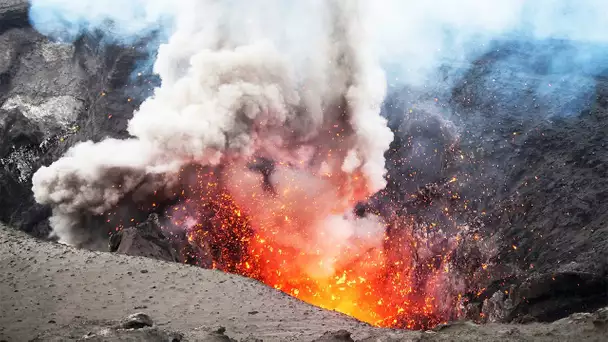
(267, 238)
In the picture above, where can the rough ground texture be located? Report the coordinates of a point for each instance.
(51, 292)
(534, 178)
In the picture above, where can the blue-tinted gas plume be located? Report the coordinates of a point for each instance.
(548, 51)
(123, 21)
(422, 44)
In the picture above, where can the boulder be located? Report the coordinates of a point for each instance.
(137, 321)
(150, 239)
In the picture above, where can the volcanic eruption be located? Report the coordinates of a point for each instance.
(265, 145)
(262, 150)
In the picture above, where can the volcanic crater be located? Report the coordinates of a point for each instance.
(491, 208)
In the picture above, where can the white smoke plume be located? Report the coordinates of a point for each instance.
(233, 87)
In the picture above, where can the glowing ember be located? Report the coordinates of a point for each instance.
(388, 285)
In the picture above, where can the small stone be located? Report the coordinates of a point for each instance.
(52, 321)
(144, 271)
(600, 317)
(439, 327)
(137, 321)
(176, 337)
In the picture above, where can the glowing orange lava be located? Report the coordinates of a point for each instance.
(386, 286)
(371, 289)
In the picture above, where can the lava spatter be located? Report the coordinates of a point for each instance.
(397, 283)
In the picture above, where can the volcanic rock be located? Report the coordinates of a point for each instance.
(217, 335)
(53, 95)
(137, 321)
(13, 13)
(600, 318)
(531, 172)
(497, 307)
(145, 239)
(148, 239)
(266, 167)
(545, 297)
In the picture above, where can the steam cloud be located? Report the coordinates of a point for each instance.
(281, 79)
(228, 95)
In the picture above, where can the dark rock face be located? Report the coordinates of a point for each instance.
(145, 239)
(13, 13)
(532, 173)
(530, 169)
(52, 96)
(545, 185)
(148, 239)
(542, 297)
(548, 297)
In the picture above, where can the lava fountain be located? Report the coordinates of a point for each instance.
(290, 229)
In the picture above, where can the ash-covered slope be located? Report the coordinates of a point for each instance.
(51, 292)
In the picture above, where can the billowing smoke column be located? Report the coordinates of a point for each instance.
(228, 96)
